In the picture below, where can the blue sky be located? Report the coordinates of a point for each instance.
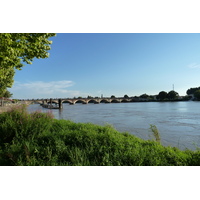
(83, 64)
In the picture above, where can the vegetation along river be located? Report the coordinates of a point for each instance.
(177, 122)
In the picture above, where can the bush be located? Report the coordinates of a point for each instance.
(17, 122)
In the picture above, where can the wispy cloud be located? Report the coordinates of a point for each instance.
(41, 89)
(194, 66)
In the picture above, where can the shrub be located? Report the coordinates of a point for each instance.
(17, 122)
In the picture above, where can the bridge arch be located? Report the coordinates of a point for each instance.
(52, 102)
(93, 101)
(67, 101)
(80, 101)
(104, 101)
(115, 101)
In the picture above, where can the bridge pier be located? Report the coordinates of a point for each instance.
(60, 103)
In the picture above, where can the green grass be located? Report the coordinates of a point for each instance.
(38, 139)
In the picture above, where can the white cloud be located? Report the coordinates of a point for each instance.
(194, 66)
(41, 89)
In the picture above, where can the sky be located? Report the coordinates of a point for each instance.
(95, 64)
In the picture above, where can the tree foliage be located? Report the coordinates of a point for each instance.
(145, 96)
(6, 94)
(126, 96)
(19, 48)
(6, 78)
(172, 95)
(197, 94)
(162, 95)
(192, 90)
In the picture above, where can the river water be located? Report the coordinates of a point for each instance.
(177, 122)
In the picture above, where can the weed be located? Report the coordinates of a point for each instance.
(155, 132)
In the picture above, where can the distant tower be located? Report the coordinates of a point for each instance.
(102, 96)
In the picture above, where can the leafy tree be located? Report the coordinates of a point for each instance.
(172, 95)
(197, 94)
(126, 96)
(145, 96)
(6, 78)
(112, 97)
(162, 95)
(19, 48)
(6, 94)
(192, 90)
(152, 97)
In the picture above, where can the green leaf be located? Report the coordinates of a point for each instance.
(18, 47)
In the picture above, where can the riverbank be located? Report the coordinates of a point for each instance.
(39, 139)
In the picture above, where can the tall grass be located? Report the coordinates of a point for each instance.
(39, 139)
(155, 132)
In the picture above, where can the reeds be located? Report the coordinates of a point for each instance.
(156, 133)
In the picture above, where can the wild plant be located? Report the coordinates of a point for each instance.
(155, 132)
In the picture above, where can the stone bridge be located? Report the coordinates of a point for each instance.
(73, 101)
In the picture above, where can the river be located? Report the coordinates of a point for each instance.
(177, 122)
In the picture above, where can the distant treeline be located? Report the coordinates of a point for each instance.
(192, 90)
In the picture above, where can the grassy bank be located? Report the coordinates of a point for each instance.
(39, 139)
